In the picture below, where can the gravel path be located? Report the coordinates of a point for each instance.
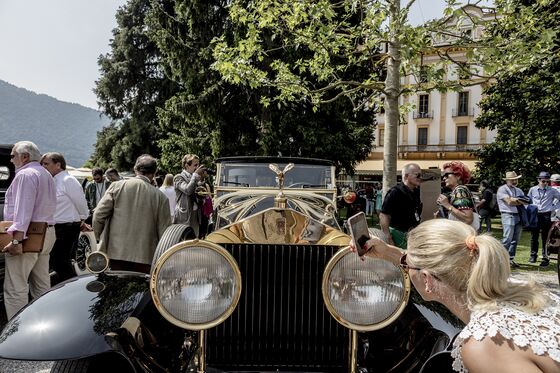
(547, 279)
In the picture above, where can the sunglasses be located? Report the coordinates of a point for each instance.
(545, 180)
(446, 175)
(404, 265)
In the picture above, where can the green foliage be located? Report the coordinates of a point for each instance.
(213, 118)
(523, 108)
(131, 88)
(523, 105)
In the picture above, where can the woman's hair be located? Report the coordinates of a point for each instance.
(168, 181)
(460, 169)
(440, 247)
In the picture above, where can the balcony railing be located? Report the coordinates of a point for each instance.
(462, 113)
(422, 114)
(439, 148)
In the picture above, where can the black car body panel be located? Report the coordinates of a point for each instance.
(74, 319)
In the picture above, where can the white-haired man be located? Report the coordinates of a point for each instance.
(402, 208)
(31, 197)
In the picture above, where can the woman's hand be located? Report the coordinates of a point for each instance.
(374, 247)
(443, 201)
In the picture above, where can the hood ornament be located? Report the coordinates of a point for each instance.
(280, 199)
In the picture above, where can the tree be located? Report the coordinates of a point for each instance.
(131, 88)
(213, 118)
(337, 36)
(523, 104)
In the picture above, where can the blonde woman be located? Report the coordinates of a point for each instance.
(511, 326)
(169, 190)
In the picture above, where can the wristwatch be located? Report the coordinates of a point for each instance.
(450, 208)
(15, 242)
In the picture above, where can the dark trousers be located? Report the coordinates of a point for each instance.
(485, 217)
(60, 261)
(543, 226)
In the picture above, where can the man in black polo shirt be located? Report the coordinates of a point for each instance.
(402, 208)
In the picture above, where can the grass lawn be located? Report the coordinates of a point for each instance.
(523, 248)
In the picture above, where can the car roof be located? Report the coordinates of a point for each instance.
(270, 159)
(6, 149)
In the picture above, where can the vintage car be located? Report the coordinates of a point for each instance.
(7, 173)
(274, 287)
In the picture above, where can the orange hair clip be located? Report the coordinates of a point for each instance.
(470, 241)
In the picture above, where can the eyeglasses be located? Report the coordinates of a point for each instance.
(446, 175)
(12, 156)
(417, 175)
(405, 266)
(544, 180)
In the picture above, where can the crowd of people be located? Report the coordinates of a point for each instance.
(123, 213)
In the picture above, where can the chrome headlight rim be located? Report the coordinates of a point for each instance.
(186, 245)
(92, 255)
(360, 327)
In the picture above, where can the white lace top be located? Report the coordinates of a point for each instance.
(540, 331)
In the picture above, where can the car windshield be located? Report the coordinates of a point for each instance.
(260, 175)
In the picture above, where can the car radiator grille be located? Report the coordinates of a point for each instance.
(281, 322)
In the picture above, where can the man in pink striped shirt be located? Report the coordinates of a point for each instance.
(30, 197)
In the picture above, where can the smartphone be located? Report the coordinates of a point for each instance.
(358, 227)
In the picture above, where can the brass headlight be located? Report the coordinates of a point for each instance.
(196, 284)
(97, 262)
(364, 295)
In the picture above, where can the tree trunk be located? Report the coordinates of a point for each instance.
(393, 88)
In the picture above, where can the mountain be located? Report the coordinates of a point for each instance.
(53, 125)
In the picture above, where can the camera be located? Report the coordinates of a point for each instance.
(208, 170)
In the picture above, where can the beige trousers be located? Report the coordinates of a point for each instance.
(26, 273)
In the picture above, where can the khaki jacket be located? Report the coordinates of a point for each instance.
(130, 219)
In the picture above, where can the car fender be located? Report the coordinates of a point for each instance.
(75, 319)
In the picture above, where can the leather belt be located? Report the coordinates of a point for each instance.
(69, 224)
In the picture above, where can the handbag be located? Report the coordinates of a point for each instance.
(35, 236)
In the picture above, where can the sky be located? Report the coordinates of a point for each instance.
(52, 46)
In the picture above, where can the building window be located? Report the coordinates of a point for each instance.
(462, 135)
(381, 135)
(422, 137)
(463, 105)
(423, 106)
